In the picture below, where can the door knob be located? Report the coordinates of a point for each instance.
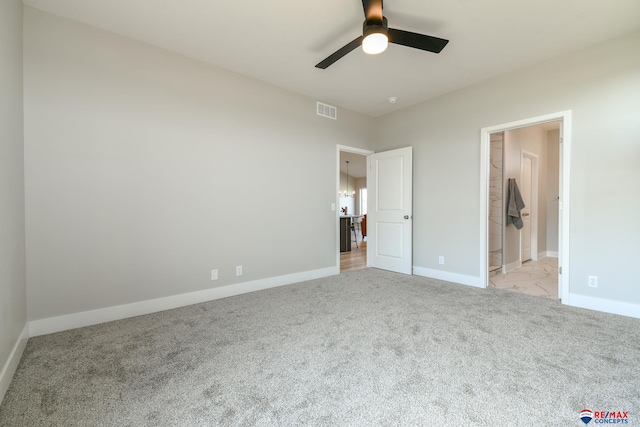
(406, 217)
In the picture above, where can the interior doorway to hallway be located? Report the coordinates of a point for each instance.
(527, 259)
(352, 208)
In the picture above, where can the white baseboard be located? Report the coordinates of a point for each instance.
(11, 364)
(548, 254)
(604, 305)
(512, 266)
(108, 314)
(449, 277)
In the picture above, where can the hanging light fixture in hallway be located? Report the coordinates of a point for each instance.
(346, 193)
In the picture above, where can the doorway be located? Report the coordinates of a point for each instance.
(351, 208)
(525, 151)
(539, 249)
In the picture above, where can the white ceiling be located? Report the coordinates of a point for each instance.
(279, 42)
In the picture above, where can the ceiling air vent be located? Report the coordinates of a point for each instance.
(328, 111)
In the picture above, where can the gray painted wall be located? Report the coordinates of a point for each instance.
(601, 85)
(146, 169)
(13, 309)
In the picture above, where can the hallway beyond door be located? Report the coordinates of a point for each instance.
(354, 259)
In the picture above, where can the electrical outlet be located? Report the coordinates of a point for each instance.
(440, 260)
(593, 281)
(214, 274)
(238, 270)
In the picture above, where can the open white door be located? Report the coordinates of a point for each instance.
(389, 218)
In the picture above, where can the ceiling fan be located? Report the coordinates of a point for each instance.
(376, 35)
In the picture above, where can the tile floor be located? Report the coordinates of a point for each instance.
(538, 278)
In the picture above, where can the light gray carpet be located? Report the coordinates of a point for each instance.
(367, 347)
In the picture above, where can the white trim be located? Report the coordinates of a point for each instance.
(548, 254)
(513, 266)
(565, 166)
(485, 176)
(108, 314)
(463, 279)
(10, 366)
(564, 205)
(346, 149)
(604, 305)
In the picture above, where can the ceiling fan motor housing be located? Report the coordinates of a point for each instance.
(370, 27)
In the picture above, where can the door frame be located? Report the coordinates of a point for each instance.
(533, 209)
(564, 204)
(346, 149)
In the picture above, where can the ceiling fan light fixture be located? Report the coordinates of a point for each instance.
(375, 39)
(376, 36)
(375, 43)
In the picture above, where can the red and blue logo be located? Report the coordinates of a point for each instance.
(604, 417)
(586, 416)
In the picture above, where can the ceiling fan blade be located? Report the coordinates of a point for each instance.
(372, 10)
(418, 41)
(339, 53)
